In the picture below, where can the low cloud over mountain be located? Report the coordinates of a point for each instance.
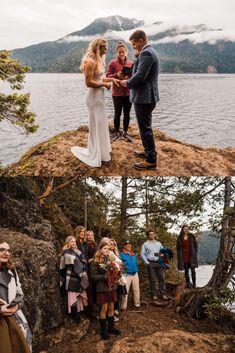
(185, 48)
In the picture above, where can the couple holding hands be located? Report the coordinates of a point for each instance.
(139, 87)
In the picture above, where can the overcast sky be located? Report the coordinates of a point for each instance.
(27, 22)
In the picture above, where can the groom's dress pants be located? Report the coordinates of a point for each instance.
(144, 118)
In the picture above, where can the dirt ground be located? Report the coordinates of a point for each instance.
(54, 158)
(139, 328)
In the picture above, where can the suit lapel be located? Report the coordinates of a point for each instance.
(136, 65)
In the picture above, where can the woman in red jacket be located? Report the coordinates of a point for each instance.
(121, 68)
(187, 254)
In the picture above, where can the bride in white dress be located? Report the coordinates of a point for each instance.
(99, 147)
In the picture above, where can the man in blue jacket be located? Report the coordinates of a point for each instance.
(144, 94)
(132, 277)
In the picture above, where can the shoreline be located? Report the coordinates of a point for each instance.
(175, 158)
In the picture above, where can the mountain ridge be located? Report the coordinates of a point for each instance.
(188, 48)
(117, 23)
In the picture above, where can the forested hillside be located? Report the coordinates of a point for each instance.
(177, 47)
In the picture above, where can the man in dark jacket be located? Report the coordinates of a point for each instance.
(144, 94)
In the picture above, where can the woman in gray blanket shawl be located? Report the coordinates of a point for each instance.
(14, 331)
(73, 266)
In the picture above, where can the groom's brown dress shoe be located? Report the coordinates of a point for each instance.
(140, 154)
(145, 165)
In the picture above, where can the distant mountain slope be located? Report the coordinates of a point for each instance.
(102, 25)
(180, 48)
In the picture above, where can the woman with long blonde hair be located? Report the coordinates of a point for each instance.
(73, 266)
(92, 65)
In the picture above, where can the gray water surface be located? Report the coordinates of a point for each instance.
(195, 108)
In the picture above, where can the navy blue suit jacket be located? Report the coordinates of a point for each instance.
(144, 80)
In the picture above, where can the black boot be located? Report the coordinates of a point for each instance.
(194, 277)
(188, 284)
(111, 328)
(88, 313)
(103, 330)
(75, 315)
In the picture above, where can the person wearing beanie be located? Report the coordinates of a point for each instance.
(132, 278)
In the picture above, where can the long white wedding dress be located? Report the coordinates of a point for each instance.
(99, 147)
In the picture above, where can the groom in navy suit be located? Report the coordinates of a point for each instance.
(144, 94)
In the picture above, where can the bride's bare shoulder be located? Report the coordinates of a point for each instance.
(90, 63)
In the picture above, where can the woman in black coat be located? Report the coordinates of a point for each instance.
(106, 287)
(187, 254)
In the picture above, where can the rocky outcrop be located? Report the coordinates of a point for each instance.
(176, 341)
(20, 209)
(34, 233)
(36, 262)
(175, 158)
(64, 339)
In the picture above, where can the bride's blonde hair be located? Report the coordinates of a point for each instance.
(93, 52)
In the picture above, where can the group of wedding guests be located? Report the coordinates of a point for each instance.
(98, 275)
(93, 275)
(102, 275)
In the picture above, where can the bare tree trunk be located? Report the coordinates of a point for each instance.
(85, 203)
(123, 216)
(146, 209)
(223, 264)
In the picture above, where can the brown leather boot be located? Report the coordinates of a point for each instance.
(145, 165)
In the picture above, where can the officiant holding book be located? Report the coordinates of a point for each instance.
(121, 68)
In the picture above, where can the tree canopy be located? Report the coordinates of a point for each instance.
(14, 107)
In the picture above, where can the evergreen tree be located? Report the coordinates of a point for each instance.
(14, 107)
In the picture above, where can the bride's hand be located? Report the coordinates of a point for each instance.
(107, 85)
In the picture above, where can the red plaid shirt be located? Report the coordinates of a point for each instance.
(115, 66)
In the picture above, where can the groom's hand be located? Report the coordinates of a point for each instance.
(116, 82)
(123, 83)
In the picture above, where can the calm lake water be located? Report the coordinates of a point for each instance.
(204, 274)
(195, 108)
